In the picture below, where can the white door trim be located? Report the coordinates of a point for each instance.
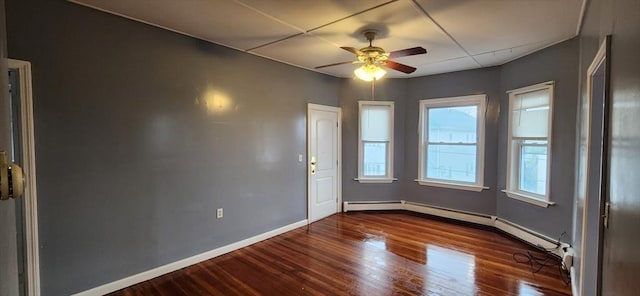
(30, 192)
(339, 143)
(600, 57)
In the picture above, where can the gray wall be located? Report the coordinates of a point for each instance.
(620, 256)
(481, 81)
(132, 164)
(560, 64)
(352, 91)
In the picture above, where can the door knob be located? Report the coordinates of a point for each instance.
(313, 165)
(11, 178)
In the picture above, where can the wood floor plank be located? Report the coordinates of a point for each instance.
(369, 253)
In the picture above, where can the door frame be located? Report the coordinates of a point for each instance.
(338, 110)
(32, 267)
(602, 56)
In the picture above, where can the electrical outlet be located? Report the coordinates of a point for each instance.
(219, 213)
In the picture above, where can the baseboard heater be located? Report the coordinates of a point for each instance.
(418, 208)
(388, 205)
(562, 250)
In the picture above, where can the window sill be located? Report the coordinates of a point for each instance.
(475, 188)
(528, 199)
(375, 180)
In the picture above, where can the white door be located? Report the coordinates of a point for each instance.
(323, 161)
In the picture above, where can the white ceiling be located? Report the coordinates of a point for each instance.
(458, 34)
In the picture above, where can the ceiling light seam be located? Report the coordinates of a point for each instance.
(273, 18)
(535, 50)
(424, 11)
(268, 15)
(544, 43)
(149, 23)
(350, 16)
(313, 29)
(519, 46)
(273, 42)
(442, 61)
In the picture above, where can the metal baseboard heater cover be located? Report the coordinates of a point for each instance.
(562, 250)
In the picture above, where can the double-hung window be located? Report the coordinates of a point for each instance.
(451, 148)
(529, 143)
(375, 147)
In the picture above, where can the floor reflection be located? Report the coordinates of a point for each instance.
(528, 290)
(412, 250)
(450, 268)
(427, 269)
(372, 264)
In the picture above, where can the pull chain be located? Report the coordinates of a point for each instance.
(373, 82)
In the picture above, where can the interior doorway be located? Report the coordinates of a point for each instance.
(595, 208)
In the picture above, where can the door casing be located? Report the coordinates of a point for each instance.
(601, 59)
(32, 266)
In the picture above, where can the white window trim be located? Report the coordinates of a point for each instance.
(511, 190)
(375, 180)
(452, 185)
(378, 179)
(481, 101)
(526, 198)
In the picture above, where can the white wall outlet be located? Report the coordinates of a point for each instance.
(299, 157)
(219, 213)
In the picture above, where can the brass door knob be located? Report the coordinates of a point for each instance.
(11, 179)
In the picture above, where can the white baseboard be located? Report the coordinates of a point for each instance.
(449, 213)
(574, 285)
(373, 205)
(532, 237)
(158, 271)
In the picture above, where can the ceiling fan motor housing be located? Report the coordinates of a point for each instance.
(372, 54)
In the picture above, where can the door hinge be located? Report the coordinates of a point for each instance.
(605, 217)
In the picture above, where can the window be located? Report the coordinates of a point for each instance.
(375, 151)
(528, 159)
(452, 142)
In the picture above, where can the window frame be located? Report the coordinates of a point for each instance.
(514, 147)
(388, 177)
(481, 102)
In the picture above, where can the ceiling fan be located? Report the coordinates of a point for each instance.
(373, 57)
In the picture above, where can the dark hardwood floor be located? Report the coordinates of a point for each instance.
(368, 253)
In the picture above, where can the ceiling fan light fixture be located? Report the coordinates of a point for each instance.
(369, 72)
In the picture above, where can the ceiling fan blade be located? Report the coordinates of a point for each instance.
(407, 52)
(335, 64)
(351, 50)
(399, 67)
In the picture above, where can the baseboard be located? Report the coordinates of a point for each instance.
(418, 208)
(574, 285)
(450, 213)
(532, 237)
(158, 271)
(373, 205)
